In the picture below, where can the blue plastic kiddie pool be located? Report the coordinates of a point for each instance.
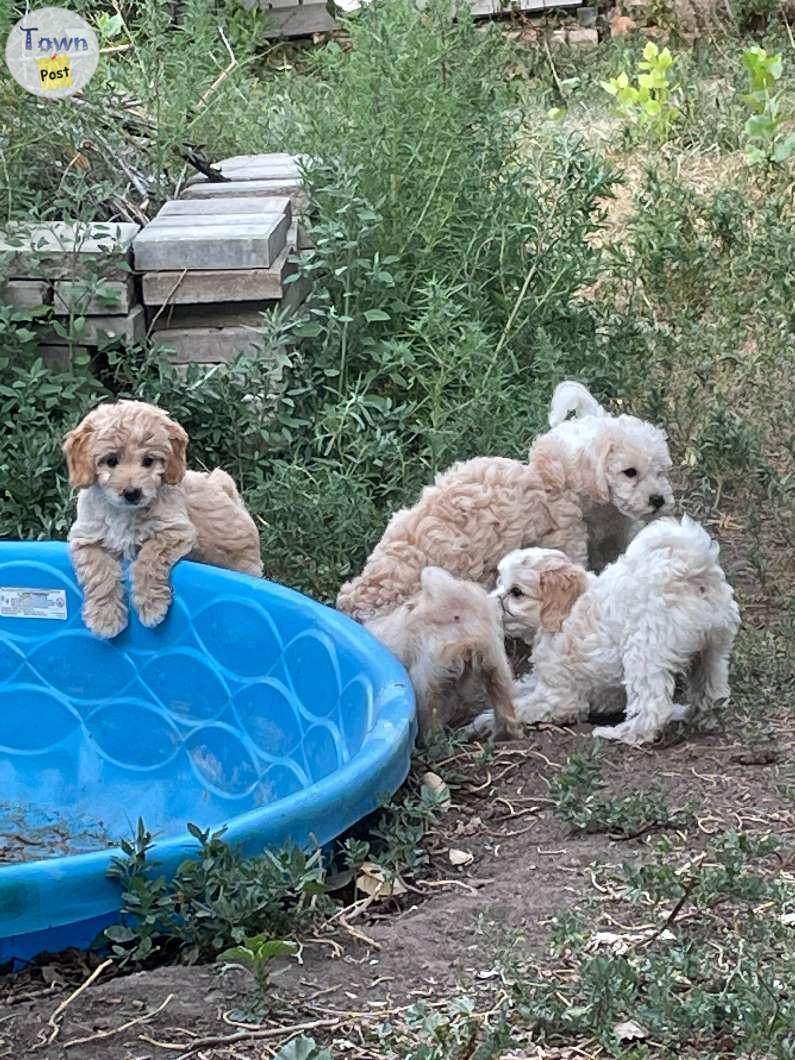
(250, 706)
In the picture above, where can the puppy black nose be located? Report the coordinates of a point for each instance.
(132, 496)
(656, 501)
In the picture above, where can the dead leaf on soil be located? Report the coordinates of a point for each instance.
(630, 1031)
(787, 919)
(373, 881)
(470, 827)
(439, 788)
(460, 857)
(622, 943)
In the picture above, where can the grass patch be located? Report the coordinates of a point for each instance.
(577, 792)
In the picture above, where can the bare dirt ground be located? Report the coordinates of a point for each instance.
(445, 939)
(450, 932)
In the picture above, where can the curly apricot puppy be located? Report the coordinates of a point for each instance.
(588, 486)
(138, 501)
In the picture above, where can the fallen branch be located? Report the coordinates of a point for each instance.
(216, 1041)
(202, 103)
(118, 1030)
(64, 1005)
(675, 911)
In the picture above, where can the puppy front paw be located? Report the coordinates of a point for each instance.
(152, 602)
(505, 729)
(105, 618)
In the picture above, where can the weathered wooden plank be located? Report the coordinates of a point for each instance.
(60, 357)
(255, 244)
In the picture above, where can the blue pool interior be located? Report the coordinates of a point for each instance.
(250, 706)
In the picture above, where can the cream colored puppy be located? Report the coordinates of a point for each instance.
(137, 501)
(449, 638)
(598, 474)
(663, 608)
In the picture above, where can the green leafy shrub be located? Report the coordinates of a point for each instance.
(446, 276)
(576, 792)
(216, 900)
(767, 141)
(649, 104)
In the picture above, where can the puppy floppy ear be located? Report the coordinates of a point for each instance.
(598, 483)
(78, 449)
(175, 464)
(559, 586)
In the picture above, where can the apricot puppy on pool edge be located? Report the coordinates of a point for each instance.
(138, 502)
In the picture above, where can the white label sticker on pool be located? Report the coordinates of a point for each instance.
(32, 603)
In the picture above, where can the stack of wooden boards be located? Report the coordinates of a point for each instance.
(59, 271)
(215, 260)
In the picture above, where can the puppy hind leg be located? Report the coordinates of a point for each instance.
(535, 701)
(650, 704)
(501, 690)
(708, 681)
(429, 685)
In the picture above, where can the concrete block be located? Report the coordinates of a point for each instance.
(25, 294)
(286, 19)
(214, 285)
(227, 220)
(209, 345)
(102, 329)
(235, 188)
(298, 237)
(109, 298)
(583, 38)
(245, 246)
(277, 166)
(60, 357)
(202, 209)
(63, 249)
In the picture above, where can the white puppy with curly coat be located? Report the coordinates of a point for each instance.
(588, 484)
(662, 609)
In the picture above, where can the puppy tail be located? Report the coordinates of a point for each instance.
(573, 397)
(224, 482)
(684, 545)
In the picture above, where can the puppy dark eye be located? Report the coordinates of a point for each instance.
(630, 472)
(147, 461)
(516, 591)
(112, 461)
(456, 618)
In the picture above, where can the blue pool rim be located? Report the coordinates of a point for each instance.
(59, 892)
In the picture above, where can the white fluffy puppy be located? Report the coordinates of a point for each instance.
(663, 608)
